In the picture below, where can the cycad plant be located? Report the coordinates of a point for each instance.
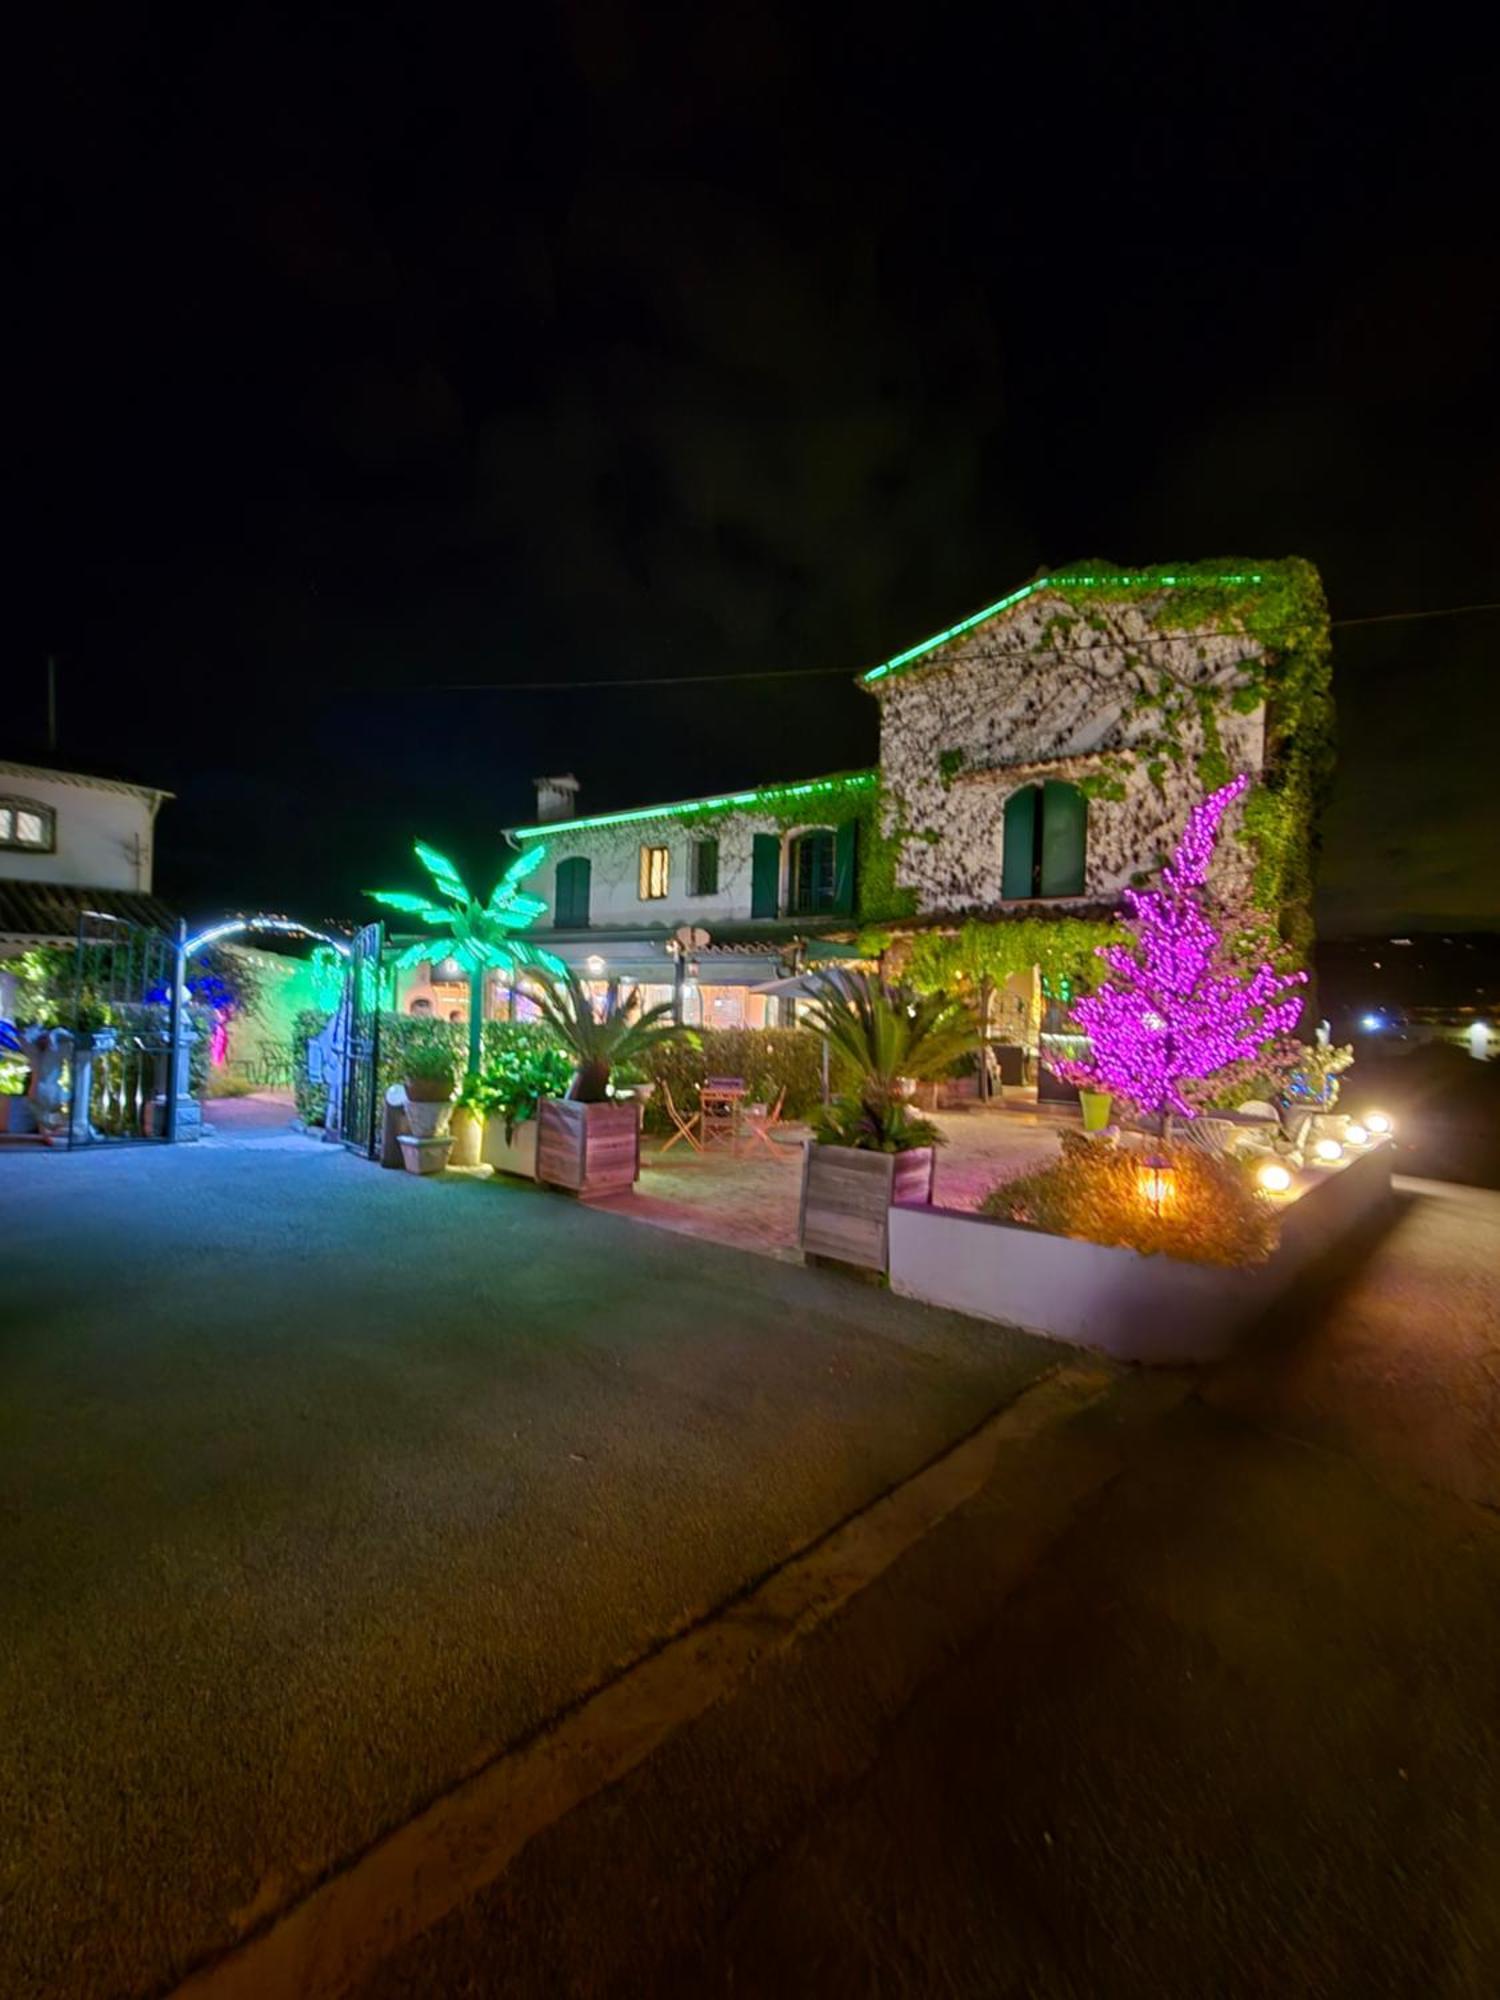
(602, 1042)
(481, 936)
(889, 1038)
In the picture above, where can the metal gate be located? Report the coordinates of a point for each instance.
(359, 1113)
(130, 1052)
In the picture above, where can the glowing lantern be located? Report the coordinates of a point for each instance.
(1328, 1150)
(1157, 1183)
(1274, 1177)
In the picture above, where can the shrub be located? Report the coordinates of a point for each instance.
(1213, 1216)
(888, 1128)
(767, 1058)
(511, 1084)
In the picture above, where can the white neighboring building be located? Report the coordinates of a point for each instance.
(69, 843)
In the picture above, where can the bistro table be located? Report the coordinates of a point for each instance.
(721, 1098)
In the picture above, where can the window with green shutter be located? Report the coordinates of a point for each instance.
(571, 903)
(812, 872)
(1064, 833)
(1018, 866)
(845, 868)
(765, 875)
(703, 870)
(1045, 842)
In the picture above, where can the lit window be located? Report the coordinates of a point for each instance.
(24, 824)
(653, 874)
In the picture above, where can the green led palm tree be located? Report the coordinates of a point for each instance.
(481, 936)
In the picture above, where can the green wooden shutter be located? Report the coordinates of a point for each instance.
(705, 868)
(572, 910)
(845, 847)
(765, 874)
(1020, 844)
(1064, 834)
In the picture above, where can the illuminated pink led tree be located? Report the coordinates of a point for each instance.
(1183, 1003)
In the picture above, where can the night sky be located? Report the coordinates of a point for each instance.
(365, 356)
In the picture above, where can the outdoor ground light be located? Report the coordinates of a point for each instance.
(1328, 1150)
(1157, 1183)
(1274, 1177)
(1356, 1135)
(1378, 1122)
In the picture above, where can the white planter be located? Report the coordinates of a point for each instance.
(516, 1155)
(424, 1156)
(428, 1118)
(1153, 1309)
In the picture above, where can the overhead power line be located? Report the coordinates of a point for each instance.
(845, 673)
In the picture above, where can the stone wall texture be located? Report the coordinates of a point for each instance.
(1043, 692)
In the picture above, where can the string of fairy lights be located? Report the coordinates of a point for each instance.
(843, 673)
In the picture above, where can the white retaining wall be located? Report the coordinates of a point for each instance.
(1136, 1308)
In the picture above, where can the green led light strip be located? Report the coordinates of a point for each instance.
(1020, 596)
(766, 795)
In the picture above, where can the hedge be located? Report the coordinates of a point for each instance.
(766, 1058)
(395, 1032)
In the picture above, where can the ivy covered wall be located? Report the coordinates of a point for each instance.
(1143, 691)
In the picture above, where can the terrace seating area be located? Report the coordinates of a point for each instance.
(747, 1193)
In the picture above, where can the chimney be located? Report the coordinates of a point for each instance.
(556, 798)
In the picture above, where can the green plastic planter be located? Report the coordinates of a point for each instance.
(1095, 1107)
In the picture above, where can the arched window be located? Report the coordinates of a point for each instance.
(570, 909)
(811, 872)
(1046, 842)
(25, 825)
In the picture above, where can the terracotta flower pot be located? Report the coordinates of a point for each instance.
(424, 1156)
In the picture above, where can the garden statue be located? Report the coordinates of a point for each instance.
(47, 1049)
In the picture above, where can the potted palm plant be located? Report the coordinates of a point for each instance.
(587, 1141)
(870, 1150)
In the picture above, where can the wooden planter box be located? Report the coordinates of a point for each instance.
(847, 1197)
(516, 1155)
(592, 1149)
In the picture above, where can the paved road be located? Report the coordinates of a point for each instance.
(1200, 1695)
(318, 1485)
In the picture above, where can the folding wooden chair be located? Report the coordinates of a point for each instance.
(687, 1126)
(761, 1121)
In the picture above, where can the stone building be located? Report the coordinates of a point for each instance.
(1035, 759)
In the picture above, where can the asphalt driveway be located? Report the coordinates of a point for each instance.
(320, 1484)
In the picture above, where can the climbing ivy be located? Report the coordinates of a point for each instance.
(1284, 613)
(1065, 949)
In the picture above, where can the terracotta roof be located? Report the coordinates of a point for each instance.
(49, 911)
